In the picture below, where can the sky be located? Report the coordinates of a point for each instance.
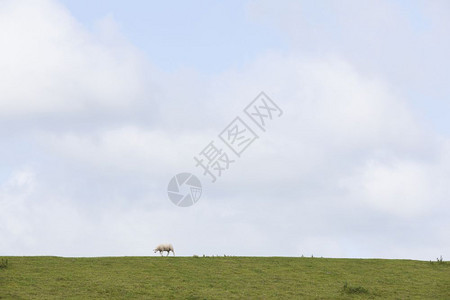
(103, 102)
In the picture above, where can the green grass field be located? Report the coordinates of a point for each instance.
(222, 278)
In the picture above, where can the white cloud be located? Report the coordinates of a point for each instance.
(127, 148)
(51, 64)
(393, 40)
(404, 188)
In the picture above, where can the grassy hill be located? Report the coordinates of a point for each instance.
(222, 278)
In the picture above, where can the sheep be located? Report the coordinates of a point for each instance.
(164, 247)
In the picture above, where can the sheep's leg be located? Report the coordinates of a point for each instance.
(160, 252)
(168, 253)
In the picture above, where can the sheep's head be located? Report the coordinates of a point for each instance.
(155, 250)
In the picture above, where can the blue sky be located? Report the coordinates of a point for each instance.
(209, 36)
(214, 36)
(103, 102)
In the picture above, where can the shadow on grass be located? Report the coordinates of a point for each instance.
(348, 289)
(3, 264)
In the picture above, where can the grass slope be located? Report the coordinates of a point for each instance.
(222, 278)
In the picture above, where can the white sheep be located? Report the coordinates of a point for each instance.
(164, 247)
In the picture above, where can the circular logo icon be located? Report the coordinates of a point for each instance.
(184, 189)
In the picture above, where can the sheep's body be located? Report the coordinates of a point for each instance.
(164, 247)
